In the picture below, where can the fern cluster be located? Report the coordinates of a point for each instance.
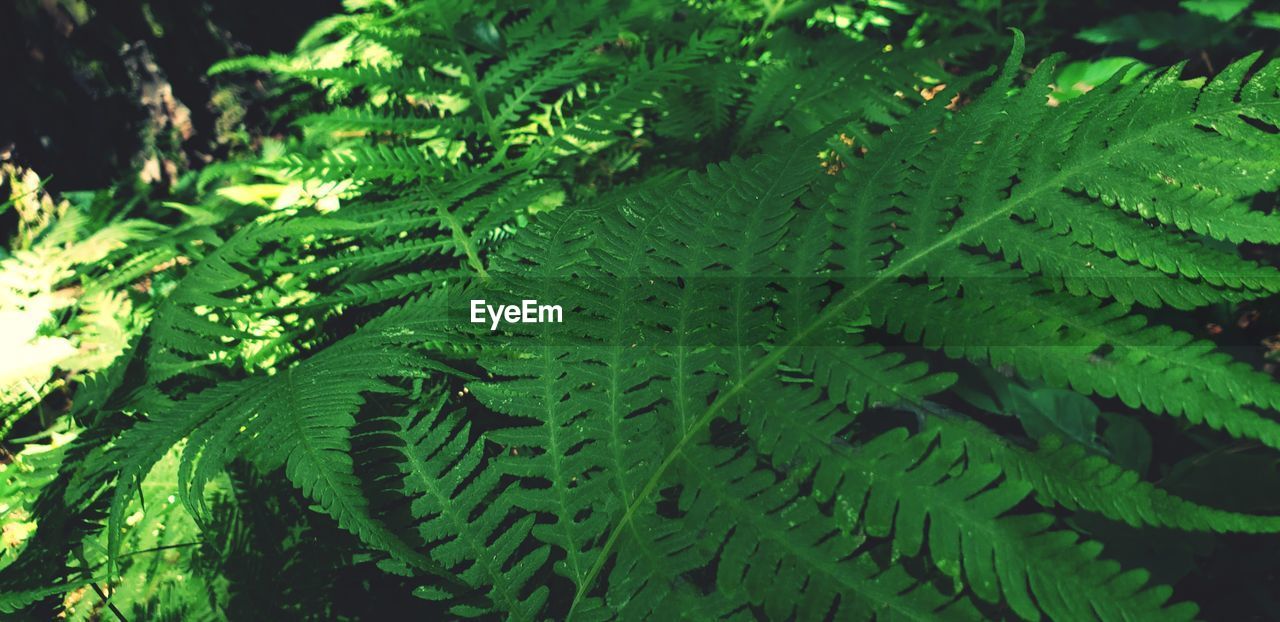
(775, 269)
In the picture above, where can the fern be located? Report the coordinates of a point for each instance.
(953, 231)
(742, 414)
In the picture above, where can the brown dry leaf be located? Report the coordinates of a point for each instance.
(1272, 344)
(70, 601)
(928, 93)
(14, 534)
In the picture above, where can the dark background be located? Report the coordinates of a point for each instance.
(73, 75)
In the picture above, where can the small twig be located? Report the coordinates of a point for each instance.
(97, 590)
(110, 605)
(157, 549)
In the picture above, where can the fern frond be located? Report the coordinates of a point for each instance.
(462, 510)
(778, 550)
(1066, 473)
(298, 419)
(921, 493)
(1146, 367)
(953, 232)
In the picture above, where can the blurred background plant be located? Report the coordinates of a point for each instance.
(63, 308)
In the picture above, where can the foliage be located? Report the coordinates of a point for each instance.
(1195, 25)
(852, 330)
(60, 309)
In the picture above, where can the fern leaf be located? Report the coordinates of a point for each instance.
(464, 518)
(1066, 473)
